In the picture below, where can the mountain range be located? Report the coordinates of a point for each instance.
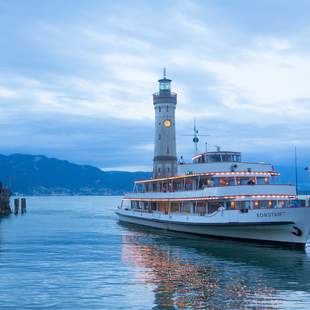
(40, 175)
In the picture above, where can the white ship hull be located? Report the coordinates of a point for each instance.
(286, 226)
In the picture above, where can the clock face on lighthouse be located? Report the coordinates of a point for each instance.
(167, 123)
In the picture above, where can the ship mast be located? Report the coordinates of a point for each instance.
(196, 137)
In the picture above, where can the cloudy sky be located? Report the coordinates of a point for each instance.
(77, 77)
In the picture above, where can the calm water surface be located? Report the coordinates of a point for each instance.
(71, 253)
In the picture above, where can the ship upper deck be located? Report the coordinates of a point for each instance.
(217, 156)
(221, 161)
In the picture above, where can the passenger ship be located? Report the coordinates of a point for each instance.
(216, 195)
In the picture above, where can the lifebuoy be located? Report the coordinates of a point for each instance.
(297, 232)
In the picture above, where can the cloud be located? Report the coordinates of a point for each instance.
(128, 168)
(6, 92)
(81, 87)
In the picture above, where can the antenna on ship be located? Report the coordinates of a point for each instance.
(195, 137)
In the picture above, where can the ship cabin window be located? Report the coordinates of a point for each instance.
(188, 184)
(178, 185)
(146, 188)
(231, 205)
(236, 158)
(241, 205)
(139, 188)
(226, 181)
(204, 182)
(175, 207)
(214, 205)
(186, 207)
(282, 204)
(216, 157)
(226, 158)
(153, 206)
(201, 207)
(263, 180)
(264, 204)
(246, 181)
(294, 203)
(200, 159)
(136, 204)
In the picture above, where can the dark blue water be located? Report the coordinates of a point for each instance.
(71, 253)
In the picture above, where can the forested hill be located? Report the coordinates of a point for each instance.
(40, 175)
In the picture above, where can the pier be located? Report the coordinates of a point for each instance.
(19, 205)
(5, 194)
(5, 204)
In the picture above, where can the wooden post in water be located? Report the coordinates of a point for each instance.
(16, 205)
(23, 205)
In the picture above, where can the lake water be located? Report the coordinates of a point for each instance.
(71, 253)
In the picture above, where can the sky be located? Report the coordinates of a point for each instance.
(77, 78)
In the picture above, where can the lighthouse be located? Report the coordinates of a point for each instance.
(165, 158)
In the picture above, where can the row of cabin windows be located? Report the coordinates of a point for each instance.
(212, 206)
(167, 109)
(217, 158)
(199, 183)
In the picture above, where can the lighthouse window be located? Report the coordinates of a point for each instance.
(164, 85)
(167, 109)
(159, 109)
(159, 136)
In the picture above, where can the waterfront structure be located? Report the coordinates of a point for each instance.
(165, 157)
(217, 194)
(5, 194)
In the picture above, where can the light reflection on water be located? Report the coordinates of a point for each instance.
(71, 253)
(201, 273)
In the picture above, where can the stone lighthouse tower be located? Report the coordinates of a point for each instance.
(165, 158)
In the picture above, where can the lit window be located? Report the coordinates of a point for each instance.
(164, 85)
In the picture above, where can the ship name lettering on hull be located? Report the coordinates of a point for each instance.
(270, 214)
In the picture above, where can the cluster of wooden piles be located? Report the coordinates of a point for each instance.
(5, 207)
(5, 194)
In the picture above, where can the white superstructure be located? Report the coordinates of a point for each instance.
(220, 195)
